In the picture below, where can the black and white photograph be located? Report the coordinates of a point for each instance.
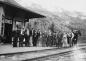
(42, 30)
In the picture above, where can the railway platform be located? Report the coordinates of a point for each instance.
(8, 49)
(8, 53)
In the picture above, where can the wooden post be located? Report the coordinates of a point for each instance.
(1, 18)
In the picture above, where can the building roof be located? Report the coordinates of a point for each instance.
(13, 3)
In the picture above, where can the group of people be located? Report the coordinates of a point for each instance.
(71, 38)
(28, 38)
(25, 37)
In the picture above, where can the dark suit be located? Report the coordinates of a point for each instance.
(15, 38)
(21, 38)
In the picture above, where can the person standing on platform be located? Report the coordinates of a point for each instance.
(37, 36)
(27, 38)
(59, 37)
(33, 36)
(43, 40)
(40, 39)
(64, 40)
(21, 38)
(14, 38)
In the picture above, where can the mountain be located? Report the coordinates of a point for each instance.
(72, 19)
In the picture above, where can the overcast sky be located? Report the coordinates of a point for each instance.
(52, 5)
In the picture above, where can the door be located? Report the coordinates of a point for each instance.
(8, 33)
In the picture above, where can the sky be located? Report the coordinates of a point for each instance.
(53, 5)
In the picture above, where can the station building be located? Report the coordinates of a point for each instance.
(12, 14)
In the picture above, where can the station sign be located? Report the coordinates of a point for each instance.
(8, 21)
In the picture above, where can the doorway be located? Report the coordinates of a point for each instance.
(8, 33)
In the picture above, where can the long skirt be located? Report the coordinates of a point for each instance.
(65, 43)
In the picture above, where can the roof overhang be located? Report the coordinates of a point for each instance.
(14, 4)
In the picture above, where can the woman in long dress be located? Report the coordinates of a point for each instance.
(65, 43)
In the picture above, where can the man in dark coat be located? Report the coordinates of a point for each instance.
(59, 37)
(69, 38)
(15, 35)
(34, 37)
(76, 33)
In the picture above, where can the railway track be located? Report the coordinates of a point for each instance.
(35, 55)
(53, 55)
